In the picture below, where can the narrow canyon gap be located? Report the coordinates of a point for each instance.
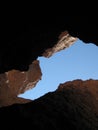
(76, 62)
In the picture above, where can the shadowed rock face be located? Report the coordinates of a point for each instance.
(15, 82)
(65, 41)
(22, 42)
(74, 105)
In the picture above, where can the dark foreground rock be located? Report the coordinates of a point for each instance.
(73, 106)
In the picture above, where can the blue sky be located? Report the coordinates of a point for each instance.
(79, 61)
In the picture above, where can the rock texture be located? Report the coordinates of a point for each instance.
(73, 106)
(21, 43)
(65, 41)
(15, 82)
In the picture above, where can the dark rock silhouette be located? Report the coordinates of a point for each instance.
(74, 105)
(23, 41)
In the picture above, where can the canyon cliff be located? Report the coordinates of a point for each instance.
(74, 105)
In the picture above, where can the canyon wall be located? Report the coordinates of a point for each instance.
(74, 105)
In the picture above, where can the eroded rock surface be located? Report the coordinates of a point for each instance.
(15, 82)
(73, 106)
(65, 41)
(21, 44)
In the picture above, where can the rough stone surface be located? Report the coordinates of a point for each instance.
(15, 82)
(65, 41)
(21, 43)
(73, 106)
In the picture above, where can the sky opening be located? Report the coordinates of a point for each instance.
(79, 61)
